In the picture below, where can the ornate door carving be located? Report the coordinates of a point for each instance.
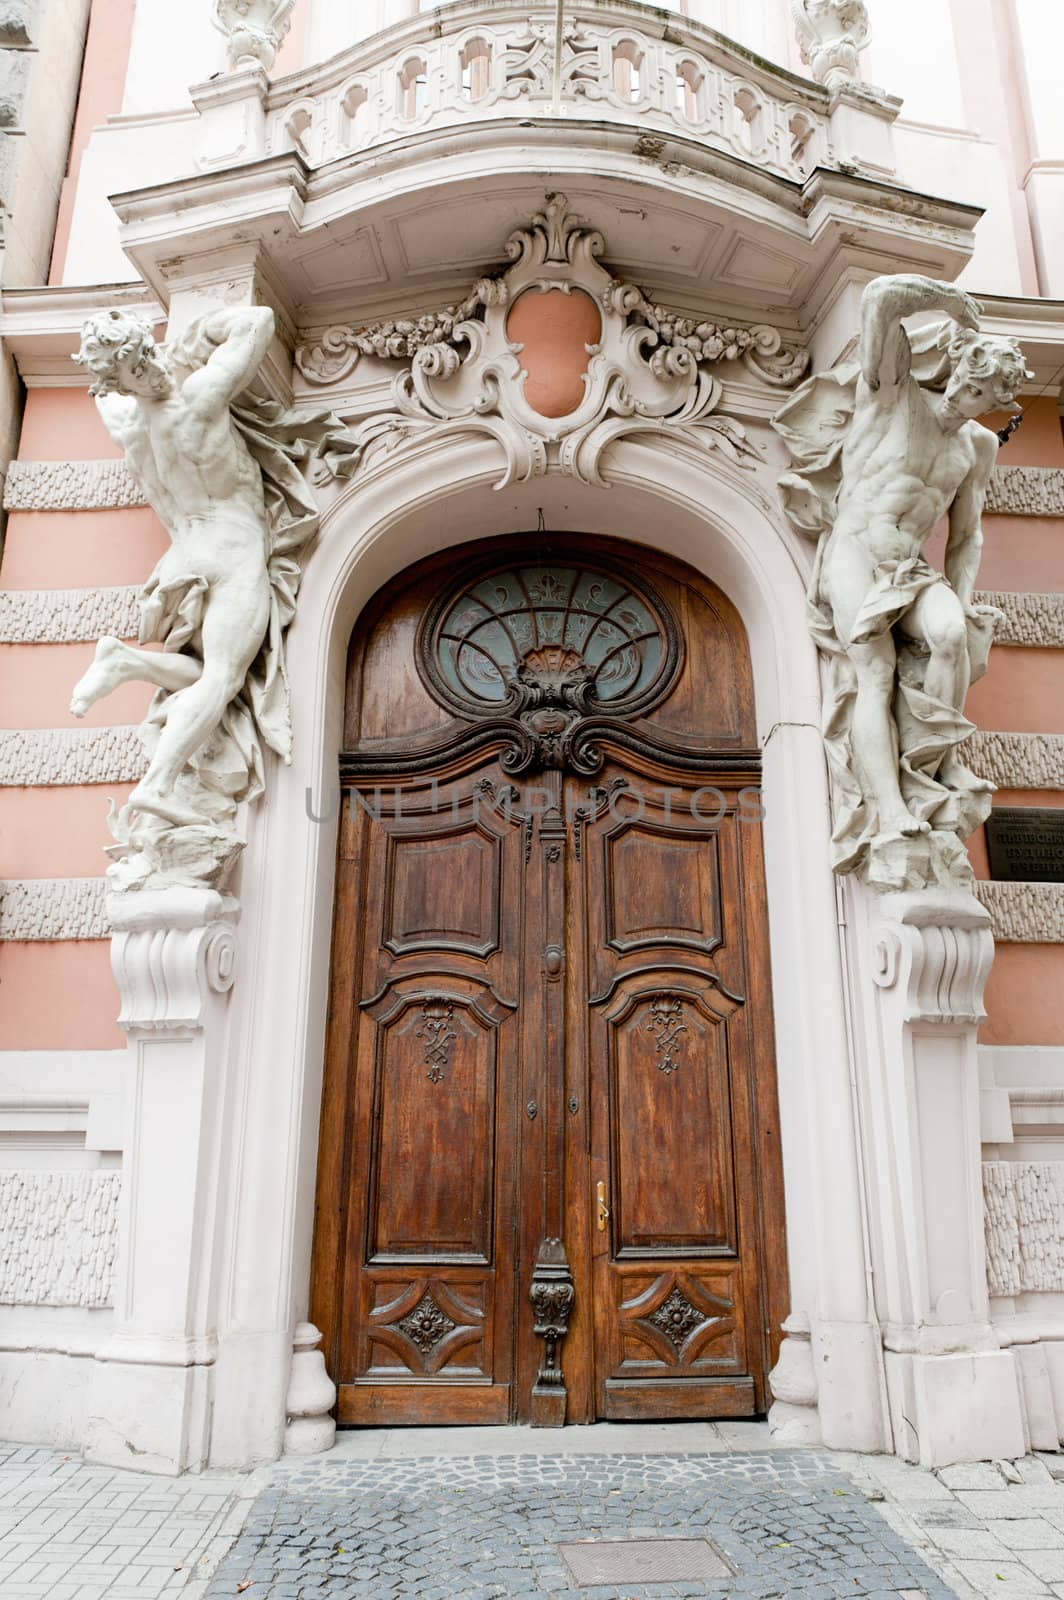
(548, 1185)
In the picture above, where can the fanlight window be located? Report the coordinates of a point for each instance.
(549, 626)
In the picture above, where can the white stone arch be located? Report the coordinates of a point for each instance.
(721, 520)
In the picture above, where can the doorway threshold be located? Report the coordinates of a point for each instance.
(600, 1438)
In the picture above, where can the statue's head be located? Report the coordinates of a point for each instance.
(987, 372)
(118, 349)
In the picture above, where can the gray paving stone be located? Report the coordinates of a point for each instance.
(1002, 1579)
(473, 1528)
(387, 1524)
(1033, 1533)
(971, 1475)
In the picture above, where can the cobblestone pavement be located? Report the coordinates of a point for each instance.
(485, 1514)
(478, 1527)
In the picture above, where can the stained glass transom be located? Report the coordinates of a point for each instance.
(584, 619)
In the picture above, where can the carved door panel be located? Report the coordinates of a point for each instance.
(427, 1239)
(676, 1016)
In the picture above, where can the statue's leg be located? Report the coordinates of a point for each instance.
(937, 617)
(874, 736)
(847, 578)
(233, 627)
(116, 663)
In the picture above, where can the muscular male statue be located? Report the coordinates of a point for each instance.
(883, 455)
(222, 468)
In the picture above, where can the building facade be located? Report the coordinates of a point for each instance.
(484, 1016)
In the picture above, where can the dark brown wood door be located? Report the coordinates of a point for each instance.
(676, 1017)
(549, 1181)
(426, 1242)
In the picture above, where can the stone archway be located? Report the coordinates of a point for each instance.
(404, 509)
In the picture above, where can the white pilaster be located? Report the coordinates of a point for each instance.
(954, 1394)
(1039, 30)
(173, 956)
(828, 1382)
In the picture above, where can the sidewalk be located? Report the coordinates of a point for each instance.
(614, 1512)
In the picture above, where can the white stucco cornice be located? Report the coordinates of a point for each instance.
(699, 226)
(41, 327)
(1039, 326)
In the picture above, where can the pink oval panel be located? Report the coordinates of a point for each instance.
(554, 330)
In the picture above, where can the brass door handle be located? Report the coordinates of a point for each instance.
(602, 1209)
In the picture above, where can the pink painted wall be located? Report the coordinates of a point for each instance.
(103, 78)
(992, 88)
(1023, 692)
(1023, 995)
(62, 831)
(62, 995)
(58, 997)
(57, 832)
(35, 685)
(291, 55)
(554, 330)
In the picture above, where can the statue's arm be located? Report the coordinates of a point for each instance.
(241, 337)
(964, 547)
(118, 412)
(885, 302)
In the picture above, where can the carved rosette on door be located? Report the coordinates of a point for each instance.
(550, 1079)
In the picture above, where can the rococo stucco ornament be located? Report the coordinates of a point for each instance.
(223, 470)
(255, 29)
(648, 370)
(831, 35)
(883, 449)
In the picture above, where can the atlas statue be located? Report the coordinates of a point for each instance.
(222, 469)
(883, 451)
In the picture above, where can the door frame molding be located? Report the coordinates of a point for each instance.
(724, 522)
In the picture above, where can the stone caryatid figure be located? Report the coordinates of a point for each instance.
(222, 469)
(883, 450)
(831, 36)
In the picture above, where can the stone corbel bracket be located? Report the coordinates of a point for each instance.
(172, 950)
(649, 371)
(934, 951)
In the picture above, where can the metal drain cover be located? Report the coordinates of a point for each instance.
(595, 1561)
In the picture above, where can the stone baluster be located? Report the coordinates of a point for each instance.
(310, 1428)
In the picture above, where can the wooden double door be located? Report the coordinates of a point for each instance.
(549, 1180)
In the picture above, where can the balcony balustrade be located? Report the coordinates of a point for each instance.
(651, 73)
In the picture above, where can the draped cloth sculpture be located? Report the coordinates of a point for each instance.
(883, 449)
(223, 469)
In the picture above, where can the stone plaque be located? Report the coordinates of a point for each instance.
(595, 1562)
(1026, 844)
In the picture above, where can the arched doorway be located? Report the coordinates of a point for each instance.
(549, 1180)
